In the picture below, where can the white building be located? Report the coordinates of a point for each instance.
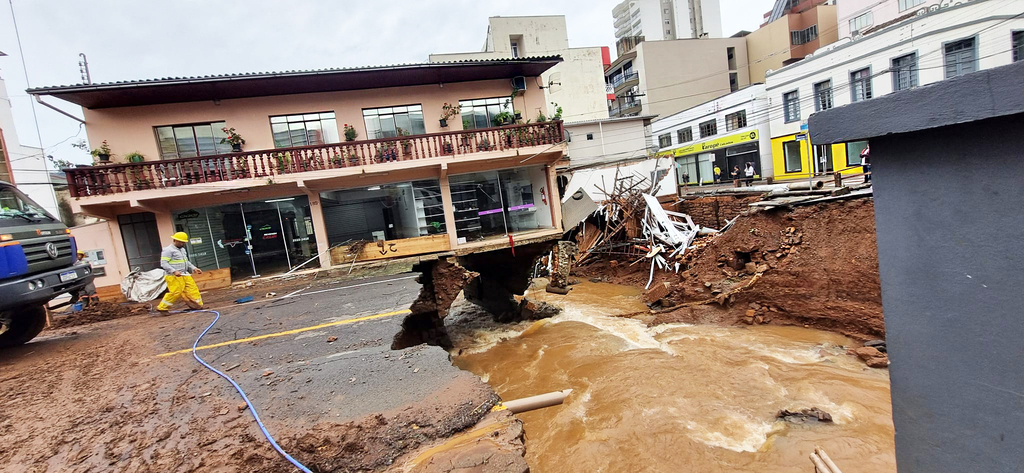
(576, 84)
(865, 16)
(608, 140)
(729, 132)
(26, 164)
(668, 19)
(920, 50)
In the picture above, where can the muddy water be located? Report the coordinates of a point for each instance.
(677, 398)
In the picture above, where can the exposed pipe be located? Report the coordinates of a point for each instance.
(62, 112)
(539, 401)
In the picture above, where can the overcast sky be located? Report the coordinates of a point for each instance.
(141, 39)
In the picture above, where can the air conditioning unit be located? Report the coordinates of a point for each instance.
(519, 82)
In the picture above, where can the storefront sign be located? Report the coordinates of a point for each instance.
(717, 143)
(488, 212)
(520, 207)
(269, 236)
(196, 241)
(188, 214)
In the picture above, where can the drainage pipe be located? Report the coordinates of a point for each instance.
(539, 401)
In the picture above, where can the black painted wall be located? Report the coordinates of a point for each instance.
(949, 211)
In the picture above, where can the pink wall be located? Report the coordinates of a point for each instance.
(104, 236)
(128, 129)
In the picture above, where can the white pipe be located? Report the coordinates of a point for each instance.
(539, 401)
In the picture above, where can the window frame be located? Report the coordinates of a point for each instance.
(466, 106)
(217, 145)
(741, 121)
(684, 135)
(896, 71)
(393, 114)
(713, 124)
(804, 36)
(1017, 45)
(799, 155)
(818, 95)
(514, 45)
(854, 156)
(867, 85)
(869, 23)
(904, 5)
(664, 140)
(320, 119)
(945, 56)
(786, 106)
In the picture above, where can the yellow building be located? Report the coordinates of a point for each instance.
(793, 160)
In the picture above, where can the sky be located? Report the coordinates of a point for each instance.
(145, 39)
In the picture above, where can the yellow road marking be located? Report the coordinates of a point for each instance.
(289, 332)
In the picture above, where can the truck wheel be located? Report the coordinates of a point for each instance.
(20, 325)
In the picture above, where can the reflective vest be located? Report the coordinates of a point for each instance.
(174, 259)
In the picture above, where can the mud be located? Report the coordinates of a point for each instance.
(816, 266)
(96, 312)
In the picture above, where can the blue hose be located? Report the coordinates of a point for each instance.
(238, 388)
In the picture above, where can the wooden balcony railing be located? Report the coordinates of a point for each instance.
(126, 177)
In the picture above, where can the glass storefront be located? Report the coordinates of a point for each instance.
(384, 212)
(252, 238)
(494, 203)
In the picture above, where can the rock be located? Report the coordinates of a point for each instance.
(531, 310)
(332, 339)
(242, 406)
(876, 344)
(707, 284)
(595, 279)
(750, 268)
(573, 281)
(267, 373)
(773, 309)
(762, 268)
(755, 305)
(748, 320)
(804, 415)
(557, 290)
(613, 264)
(866, 353)
(878, 362)
(759, 319)
(225, 411)
(751, 312)
(657, 292)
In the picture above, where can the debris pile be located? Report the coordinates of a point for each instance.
(632, 225)
(97, 312)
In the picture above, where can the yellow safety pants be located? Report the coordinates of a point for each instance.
(179, 287)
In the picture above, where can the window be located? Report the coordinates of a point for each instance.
(791, 106)
(823, 158)
(906, 4)
(389, 122)
(737, 120)
(853, 150)
(190, 141)
(665, 140)
(823, 95)
(685, 135)
(708, 128)
(590, 136)
(960, 58)
(730, 54)
(515, 49)
(791, 150)
(804, 36)
(904, 72)
(480, 113)
(860, 22)
(306, 129)
(1017, 39)
(860, 85)
(734, 82)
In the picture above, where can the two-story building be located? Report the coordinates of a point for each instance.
(924, 48)
(727, 132)
(331, 157)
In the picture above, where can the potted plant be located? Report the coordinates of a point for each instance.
(541, 118)
(350, 132)
(283, 160)
(406, 144)
(484, 144)
(134, 157)
(501, 119)
(447, 147)
(233, 138)
(448, 111)
(102, 153)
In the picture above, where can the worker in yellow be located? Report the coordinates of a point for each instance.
(178, 274)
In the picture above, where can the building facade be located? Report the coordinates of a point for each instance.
(607, 141)
(665, 77)
(24, 166)
(576, 84)
(859, 17)
(727, 132)
(331, 157)
(920, 50)
(668, 19)
(792, 30)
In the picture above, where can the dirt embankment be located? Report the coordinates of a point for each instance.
(815, 265)
(97, 312)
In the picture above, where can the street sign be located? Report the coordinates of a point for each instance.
(801, 137)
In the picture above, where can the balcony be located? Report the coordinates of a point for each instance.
(623, 80)
(630, 107)
(121, 178)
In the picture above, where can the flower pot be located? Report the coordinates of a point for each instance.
(103, 157)
(519, 116)
(136, 159)
(444, 123)
(236, 147)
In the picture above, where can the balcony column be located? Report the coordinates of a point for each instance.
(316, 212)
(449, 208)
(553, 199)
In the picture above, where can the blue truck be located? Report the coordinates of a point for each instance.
(38, 262)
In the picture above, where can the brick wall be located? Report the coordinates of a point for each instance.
(715, 211)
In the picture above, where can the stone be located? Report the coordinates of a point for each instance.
(755, 306)
(595, 279)
(532, 310)
(866, 353)
(657, 292)
(242, 406)
(267, 373)
(804, 415)
(762, 268)
(332, 339)
(759, 319)
(878, 362)
(751, 312)
(750, 268)
(748, 320)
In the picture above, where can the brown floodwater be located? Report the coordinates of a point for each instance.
(677, 398)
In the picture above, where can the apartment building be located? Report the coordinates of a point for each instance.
(330, 157)
(575, 84)
(659, 20)
(859, 17)
(927, 48)
(792, 30)
(665, 77)
(727, 132)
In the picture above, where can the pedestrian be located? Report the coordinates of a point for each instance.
(735, 174)
(718, 175)
(865, 162)
(748, 172)
(686, 180)
(178, 274)
(89, 291)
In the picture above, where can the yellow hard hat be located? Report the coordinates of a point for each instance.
(180, 236)
(81, 252)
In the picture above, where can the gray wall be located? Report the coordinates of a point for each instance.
(949, 211)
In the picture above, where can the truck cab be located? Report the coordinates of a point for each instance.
(38, 262)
